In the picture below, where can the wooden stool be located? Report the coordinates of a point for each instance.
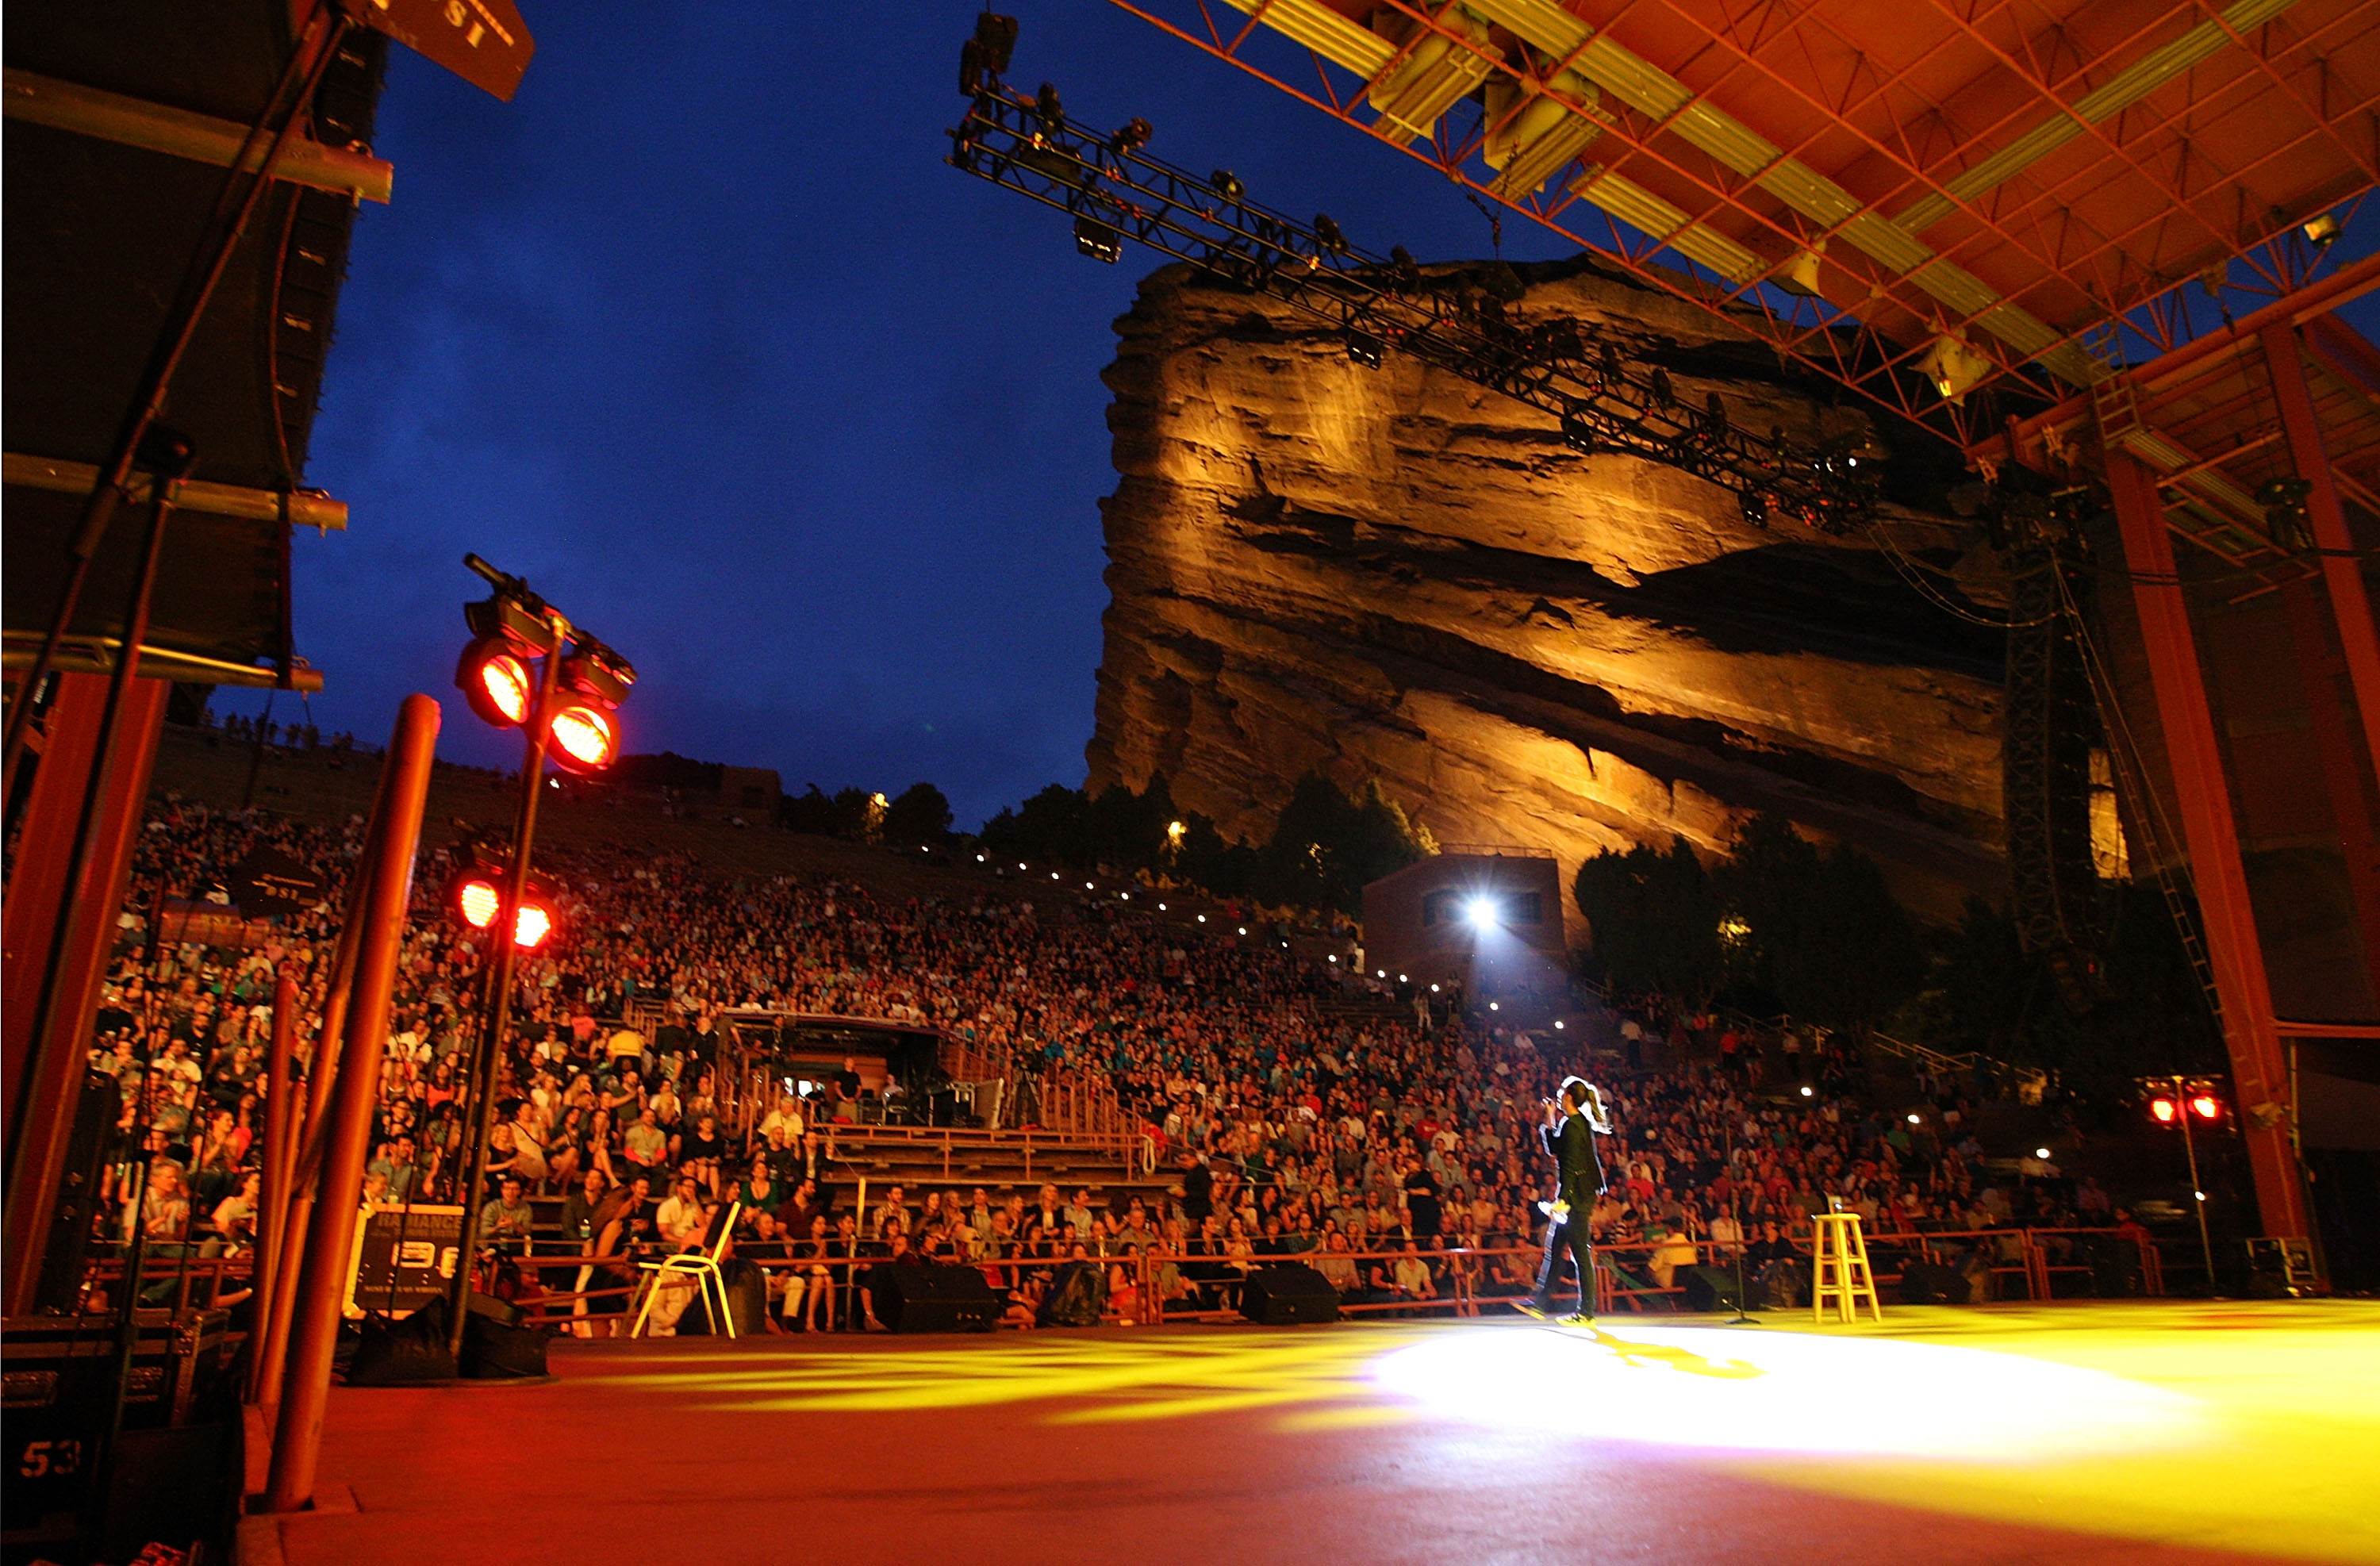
(1839, 1267)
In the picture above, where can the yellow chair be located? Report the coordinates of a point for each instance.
(1839, 1268)
(702, 1266)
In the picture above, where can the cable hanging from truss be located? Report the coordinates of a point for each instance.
(1458, 321)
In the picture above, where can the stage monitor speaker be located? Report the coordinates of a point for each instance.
(395, 1353)
(1930, 1282)
(1288, 1294)
(747, 1303)
(1708, 1288)
(2115, 1262)
(932, 1298)
(497, 1350)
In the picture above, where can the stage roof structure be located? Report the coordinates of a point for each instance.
(1924, 201)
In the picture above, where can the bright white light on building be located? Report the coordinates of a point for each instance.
(1481, 911)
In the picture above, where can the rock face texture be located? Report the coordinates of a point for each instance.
(1392, 573)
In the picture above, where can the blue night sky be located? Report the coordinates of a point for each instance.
(700, 335)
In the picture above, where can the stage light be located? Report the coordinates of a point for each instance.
(584, 740)
(2200, 1194)
(978, 860)
(1244, 929)
(1334, 956)
(2163, 1111)
(1953, 368)
(1088, 887)
(1365, 349)
(477, 901)
(1433, 990)
(1202, 919)
(1174, 829)
(1160, 907)
(1755, 507)
(1578, 435)
(2322, 231)
(1481, 911)
(1380, 973)
(1403, 979)
(1913, 1119)
(1557, 1027)
(1096, 240)
(1800, 275)
(1126, 895)
(1048, 110)
(2206, 1106)
(1495, 1005)
(478, 895)
(1808, 1092)
(1327, 230)
(1227, 185)
(1133, 136)
(495, 682)
(2041, 1153)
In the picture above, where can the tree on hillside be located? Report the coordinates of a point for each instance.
(1985, 993)
(1048, 827)
(1822, 935)
(918, 814)
(1654, 919)
(1327, 848)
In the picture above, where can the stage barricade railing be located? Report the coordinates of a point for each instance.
(1466, 1280)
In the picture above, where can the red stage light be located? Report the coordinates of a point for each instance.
(2164, 1110)
(583, 739)
(495, 683)
(477, 901)
(2206, 1106)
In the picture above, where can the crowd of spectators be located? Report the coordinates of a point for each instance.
(1392, 1147)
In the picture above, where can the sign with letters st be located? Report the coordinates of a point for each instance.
(484, 41)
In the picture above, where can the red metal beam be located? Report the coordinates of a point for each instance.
(2211, 838)
(2350, 282)
(44, 1072)
(2350, 606)
(321, 1268)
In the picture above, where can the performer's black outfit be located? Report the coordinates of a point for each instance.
(1572, 1147)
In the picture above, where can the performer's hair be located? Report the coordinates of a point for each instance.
(1588, 1099)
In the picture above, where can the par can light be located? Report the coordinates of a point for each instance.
(495, 682)
(584, 740)
(477, 895)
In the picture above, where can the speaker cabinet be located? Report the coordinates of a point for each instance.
(1288, 1294)
(932, 1299)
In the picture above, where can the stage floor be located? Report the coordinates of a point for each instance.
(2163, 1432)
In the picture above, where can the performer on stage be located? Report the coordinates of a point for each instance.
(1572, 1123)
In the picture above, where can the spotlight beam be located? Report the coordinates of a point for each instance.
(1452, 320)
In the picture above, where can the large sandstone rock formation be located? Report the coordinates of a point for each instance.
(1396, 574)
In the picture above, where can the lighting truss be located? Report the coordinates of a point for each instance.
(1662, 179)
(1455, 322)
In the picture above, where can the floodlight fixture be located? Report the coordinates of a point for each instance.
(1953, 368)
(495, 682)
(1096, 240)
(2323, 231)
(1481, 911)
(584, 738)
(1365, 349)
(1227, 185)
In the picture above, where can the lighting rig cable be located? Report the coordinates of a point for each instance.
(1453, 319)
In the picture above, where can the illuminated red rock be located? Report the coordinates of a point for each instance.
(1396, 574)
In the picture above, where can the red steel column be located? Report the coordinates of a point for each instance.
(314, 1324)
(281, 1127)
(2211, 836)
(2350, 606)
(44, 1071)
